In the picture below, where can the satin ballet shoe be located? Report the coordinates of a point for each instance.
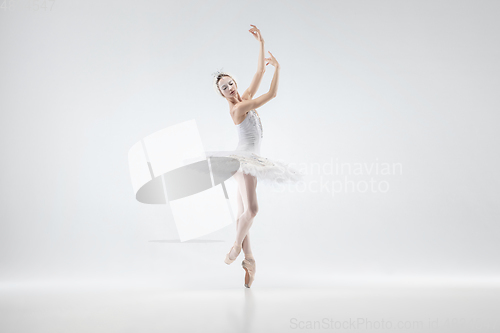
(249, 266)
(237, 247)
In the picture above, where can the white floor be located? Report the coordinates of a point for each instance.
(382, 308)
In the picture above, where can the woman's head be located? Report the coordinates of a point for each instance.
(225, 85)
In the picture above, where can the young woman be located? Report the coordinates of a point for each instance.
(253, 167)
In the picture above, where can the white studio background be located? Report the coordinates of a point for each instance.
(410, 84)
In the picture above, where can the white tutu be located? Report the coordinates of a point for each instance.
(267, 171)
(247, 153)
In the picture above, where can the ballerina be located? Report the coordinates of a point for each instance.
(253, 167)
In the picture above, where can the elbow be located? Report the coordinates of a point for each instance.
(274, 95)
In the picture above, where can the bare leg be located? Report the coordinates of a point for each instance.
(247, 185)
(246, 241)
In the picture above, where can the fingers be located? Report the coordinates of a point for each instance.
(255, 32)
(254, 28)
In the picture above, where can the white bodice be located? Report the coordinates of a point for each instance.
(250, 133)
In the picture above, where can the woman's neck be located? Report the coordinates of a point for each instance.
(236, 100)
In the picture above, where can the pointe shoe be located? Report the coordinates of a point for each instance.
(237, 247)
(249, 267)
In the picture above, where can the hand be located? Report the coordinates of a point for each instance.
(272, 60)
(256, 33)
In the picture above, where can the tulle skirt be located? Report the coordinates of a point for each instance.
(267, 171)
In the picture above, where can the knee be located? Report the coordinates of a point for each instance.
(253, 210)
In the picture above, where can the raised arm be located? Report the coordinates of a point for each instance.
(246, 105)
(261, 68)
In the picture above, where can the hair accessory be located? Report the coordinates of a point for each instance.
(217, 73)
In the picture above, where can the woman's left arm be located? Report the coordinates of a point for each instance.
(261, 68)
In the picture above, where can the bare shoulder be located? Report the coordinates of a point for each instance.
(238, 117)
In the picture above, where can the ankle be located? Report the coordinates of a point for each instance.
(249, 256)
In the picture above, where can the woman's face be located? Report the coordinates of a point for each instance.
(227, 87)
